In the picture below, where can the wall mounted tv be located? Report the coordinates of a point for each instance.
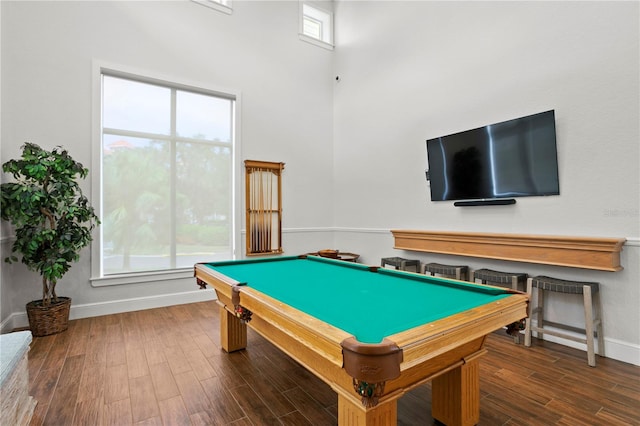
(492, 164)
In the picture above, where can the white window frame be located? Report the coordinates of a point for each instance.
(98, 279)
(320, 15)
(224, 6)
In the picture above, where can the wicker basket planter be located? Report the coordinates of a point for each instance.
(52, 319)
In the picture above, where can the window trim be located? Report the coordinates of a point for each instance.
(310, 39)
(97, 279)
(224, 6)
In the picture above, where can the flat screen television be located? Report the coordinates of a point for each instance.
(514, 158)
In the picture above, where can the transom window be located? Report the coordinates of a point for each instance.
(316, 25)
(223, 6)
(167, 175)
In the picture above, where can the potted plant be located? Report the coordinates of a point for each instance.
(53, 221)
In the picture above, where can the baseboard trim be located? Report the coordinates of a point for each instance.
(20, 320)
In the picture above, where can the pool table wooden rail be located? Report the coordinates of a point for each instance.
(323, 337)
(445, 351)
(429, 340)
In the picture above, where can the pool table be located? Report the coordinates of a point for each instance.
(371, 333)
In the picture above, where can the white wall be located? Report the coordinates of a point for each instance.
(47, 53)
(410, 71)
(354, 149)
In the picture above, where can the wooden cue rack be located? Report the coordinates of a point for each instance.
(263, 191)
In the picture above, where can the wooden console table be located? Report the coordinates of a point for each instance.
(578, 252)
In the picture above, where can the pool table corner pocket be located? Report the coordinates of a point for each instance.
(240, 311)
(371, 366)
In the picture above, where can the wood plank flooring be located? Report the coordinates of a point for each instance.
(165, 367)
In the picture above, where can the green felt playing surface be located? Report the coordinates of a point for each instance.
(368, 305)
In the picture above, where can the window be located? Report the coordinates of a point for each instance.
(223, 6)
(316, 25)
(166, 175)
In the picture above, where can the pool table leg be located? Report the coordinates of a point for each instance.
(233, 331)
(456, 395)
(352, 413)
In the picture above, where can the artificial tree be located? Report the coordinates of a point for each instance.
(53, 220)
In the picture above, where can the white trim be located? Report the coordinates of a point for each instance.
(95, 149)
(300, 230)
(20, 320)
(364, 230)
(622, 351)
(220, 6)
(337, 229)
(330, 229)
(315, 42)
(141, 277)
(632, 242)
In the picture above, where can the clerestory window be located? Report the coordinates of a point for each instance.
(223, 6)
(316, 24)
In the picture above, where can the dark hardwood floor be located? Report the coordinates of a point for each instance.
(165, 367)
